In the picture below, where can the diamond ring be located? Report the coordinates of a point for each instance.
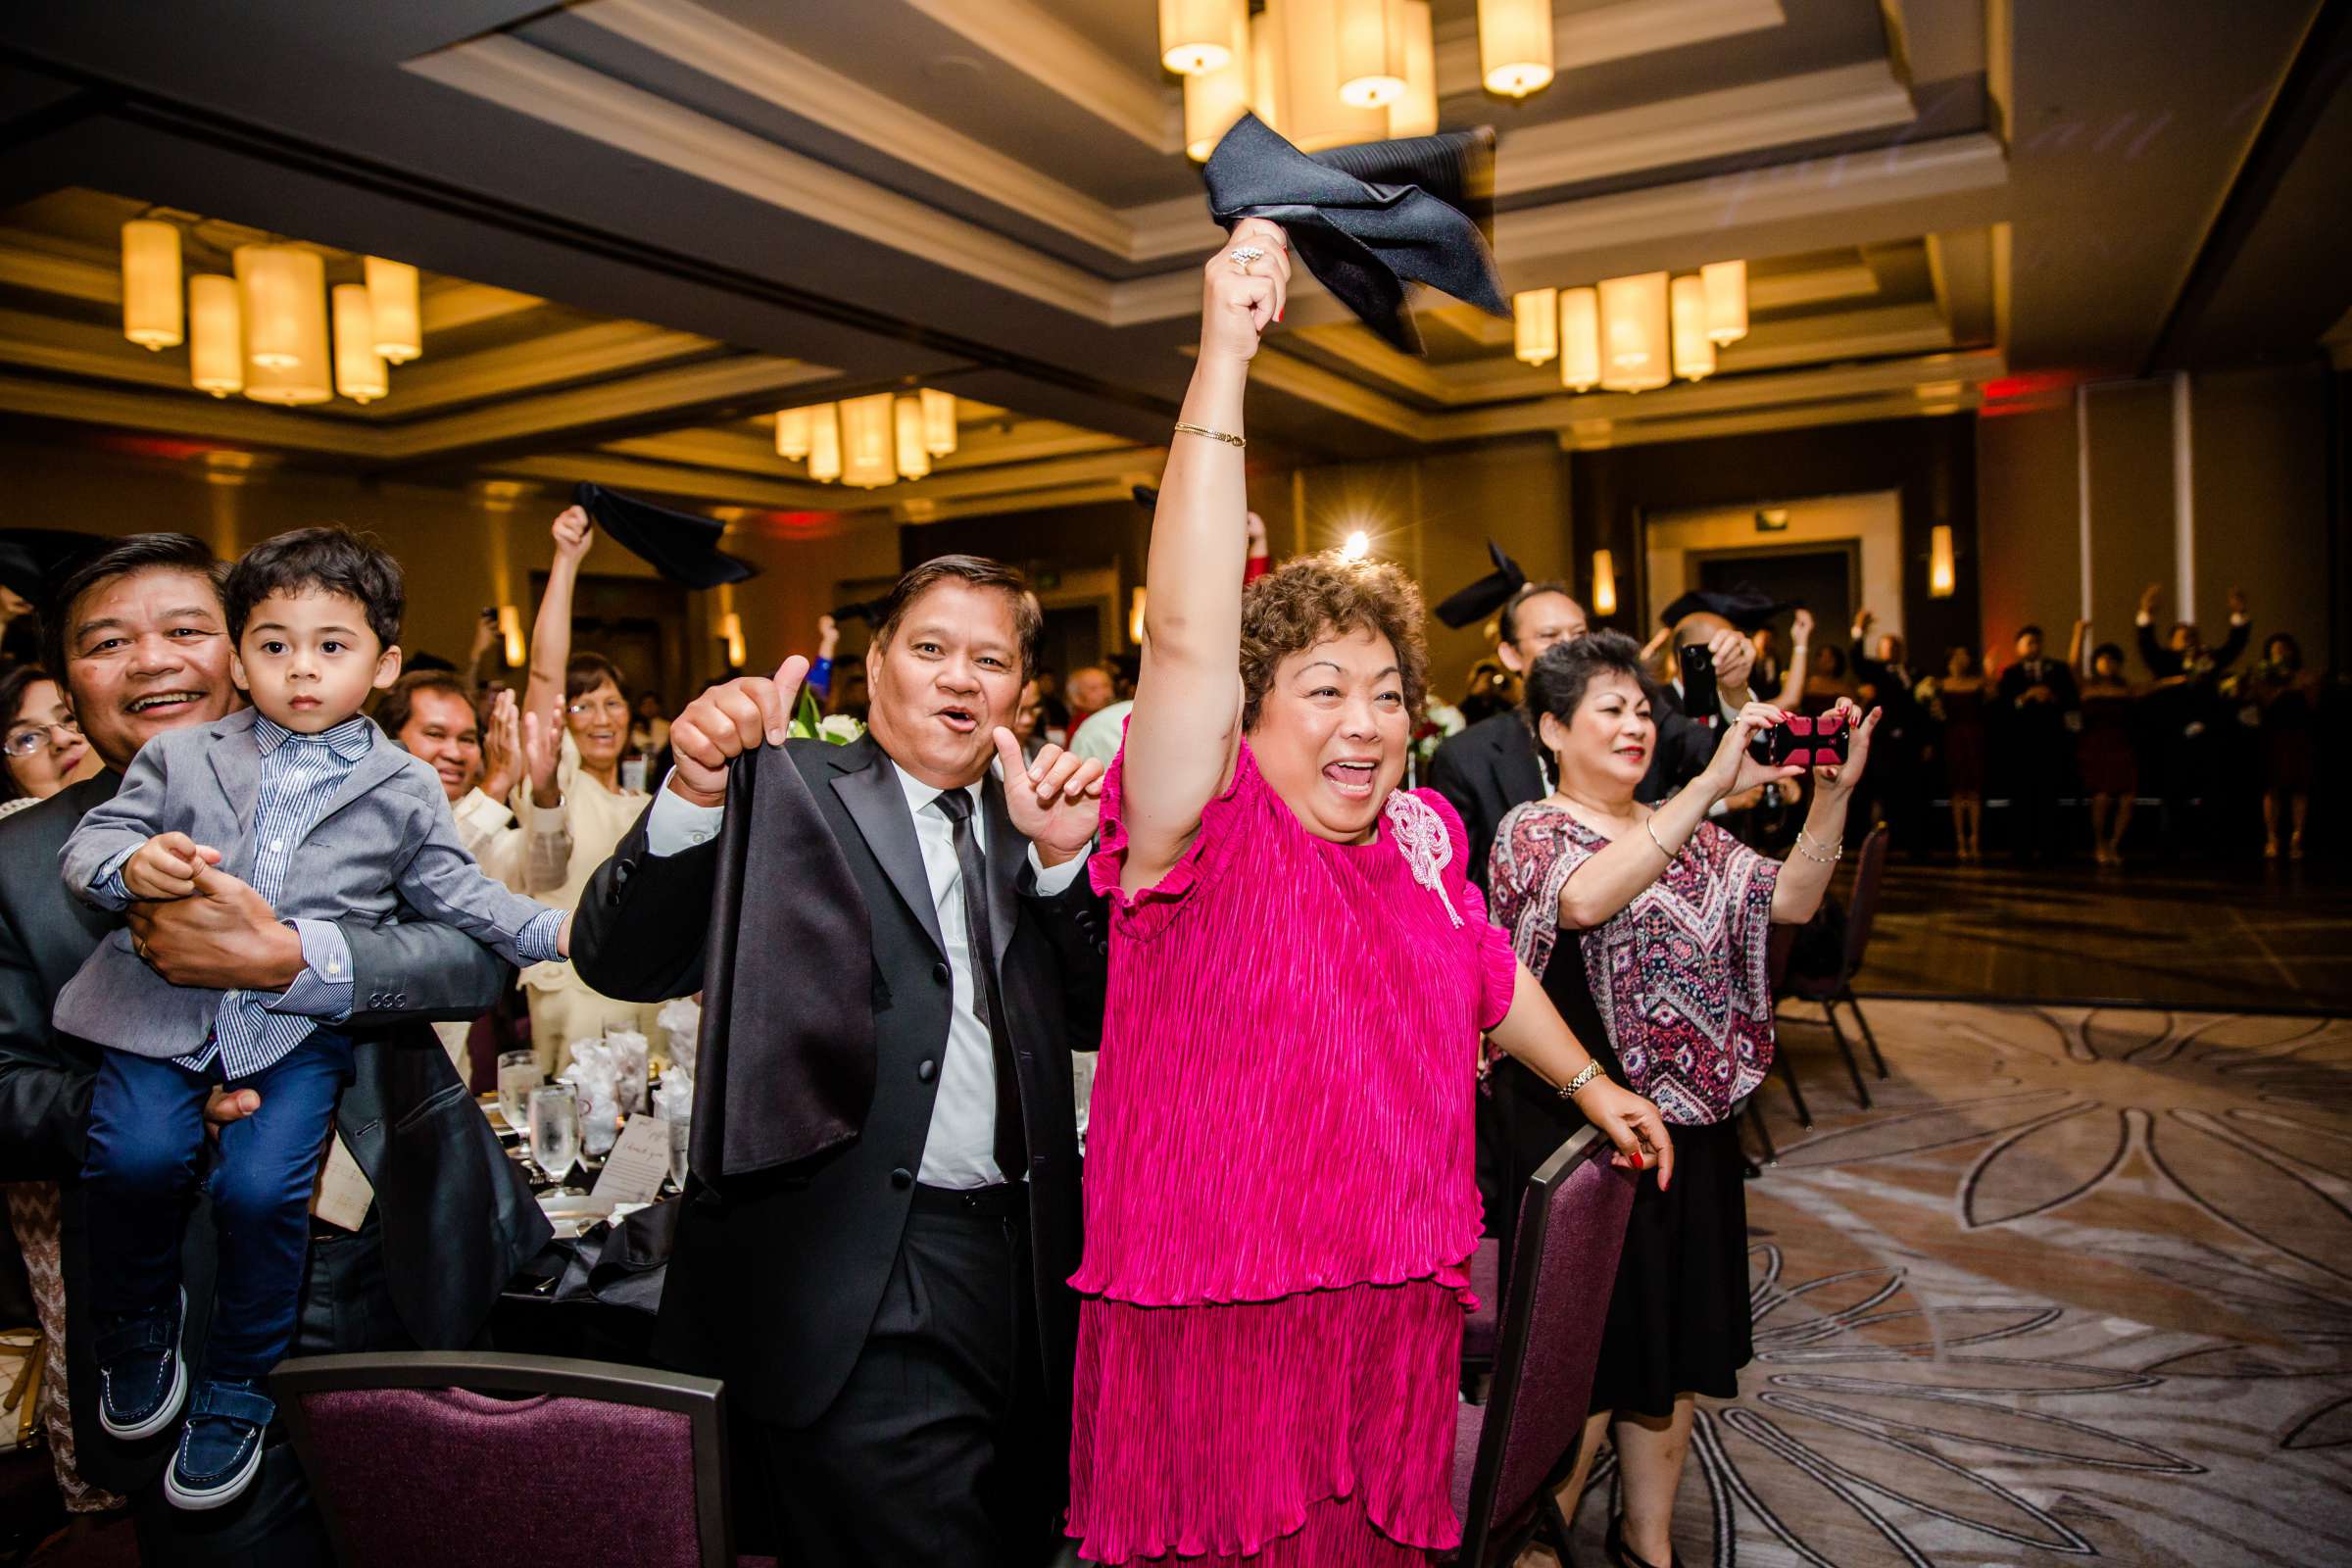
(1243, 255)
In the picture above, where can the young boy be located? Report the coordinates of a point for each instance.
(305, 799)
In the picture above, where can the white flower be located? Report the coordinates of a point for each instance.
(839, 730)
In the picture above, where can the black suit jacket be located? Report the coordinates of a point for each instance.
(457, 1218)
(2165, 663)
(775, 1276)
(1491, 768)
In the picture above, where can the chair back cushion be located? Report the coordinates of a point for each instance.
(1870, 869)
(1572, 1242)
(447, 1478)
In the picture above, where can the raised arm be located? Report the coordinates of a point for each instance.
(1806, 875)
(1187, 718)
(2076, 647)
(551, 631)
(1800, 658)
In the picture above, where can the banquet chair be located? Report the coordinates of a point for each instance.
(1508, 1452)
(1838, 986)
(1481, 1328)
(414, 1459)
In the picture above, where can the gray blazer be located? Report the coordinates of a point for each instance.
(385, 838)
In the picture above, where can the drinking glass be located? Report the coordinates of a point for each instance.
(681, 1134)
(518, 1075)
(554, 1117)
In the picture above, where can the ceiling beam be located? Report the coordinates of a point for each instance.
(29, 262)
(1591, 35)
(600, 349)
(451, 303)
(675, 396)
(1039, 45)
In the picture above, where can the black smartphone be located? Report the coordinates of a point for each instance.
(1805, 741)
(1700, 699)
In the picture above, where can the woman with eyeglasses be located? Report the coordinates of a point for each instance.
(575, 730)
(45, 750)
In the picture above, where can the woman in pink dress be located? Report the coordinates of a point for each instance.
(1280, 1196)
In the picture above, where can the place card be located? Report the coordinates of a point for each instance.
(633, 1172)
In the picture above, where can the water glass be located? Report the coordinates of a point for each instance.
(518, 1075)
(681, 1135)
(554, 1117)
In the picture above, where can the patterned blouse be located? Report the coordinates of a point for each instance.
(1680, 975)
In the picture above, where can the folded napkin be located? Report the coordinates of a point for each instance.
(1370, 219)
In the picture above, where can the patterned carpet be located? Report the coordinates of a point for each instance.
(2079, 1289)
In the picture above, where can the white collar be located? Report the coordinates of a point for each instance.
(920, 794)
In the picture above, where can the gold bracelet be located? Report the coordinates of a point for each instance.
(1183, 428)
(1831, 858)
(1648, 826)
(1591, 1073)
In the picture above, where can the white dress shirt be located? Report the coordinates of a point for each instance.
(960, 1151)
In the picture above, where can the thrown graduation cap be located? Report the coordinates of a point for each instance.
(1146, 496)
(1746, 605)
(1486, 595)
(683, 545)
(35, 560)
(1369, 219)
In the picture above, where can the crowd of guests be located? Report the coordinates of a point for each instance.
(1341, 1020)
(2073, 750)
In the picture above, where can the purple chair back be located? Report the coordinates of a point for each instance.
(413, 1466)
(1563, 1270)
(1862, 905)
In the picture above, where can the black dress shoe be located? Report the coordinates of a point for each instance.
(1623, 1556)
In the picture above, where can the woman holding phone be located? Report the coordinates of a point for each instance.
(1646, 927)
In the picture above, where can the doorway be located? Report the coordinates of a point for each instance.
(1819, 578)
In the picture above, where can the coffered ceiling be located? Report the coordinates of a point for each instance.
(741, 204)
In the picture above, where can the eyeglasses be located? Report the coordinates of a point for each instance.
(30, 738)
(590, 708)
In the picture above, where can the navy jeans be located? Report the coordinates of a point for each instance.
(145, 1141)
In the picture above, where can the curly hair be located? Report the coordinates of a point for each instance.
(1305, 600)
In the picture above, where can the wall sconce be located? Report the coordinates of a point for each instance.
(510, 627)
(1939, 561)
(1604, 583)
(730, 632)
(1135, 619)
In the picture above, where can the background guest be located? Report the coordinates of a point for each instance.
(2184, 710)
(572, 795)
(1827, 681)
(1884, 679)
(1583, 880)
(2108, 750)
(1028, 721)
(1956, 700)
(2037, 695)
(1089, 691)
(820, 669)
(1786, 687)
(45, 751)
(2287, 700)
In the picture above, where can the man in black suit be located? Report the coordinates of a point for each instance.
(139, 636)
(1494, 765)
(2036, 693)
(2185, 711)
(860, 1256)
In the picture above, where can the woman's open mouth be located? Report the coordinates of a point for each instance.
(1352, 778)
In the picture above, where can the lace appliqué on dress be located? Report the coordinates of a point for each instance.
(1422, 840)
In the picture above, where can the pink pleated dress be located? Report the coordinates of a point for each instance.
(1281, 1197)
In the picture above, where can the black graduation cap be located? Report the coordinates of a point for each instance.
(1370, 219)
(1745, 607)
(35, 560)
(1146, 496)
(1486, 595)
(868, 611)
(683, 545)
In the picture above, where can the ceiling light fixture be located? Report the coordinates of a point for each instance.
(824, 443)
(1604, 583)
(1514, 46)
(360, 374)
(865, 442)
(215, 335)
(1536, 325)
(1198, 35)
(1694, 350)
(283, 290)
(906, 421)
(1634, 333)
(1579, 339)
(393, 303)
(1726, 300)
(1371, 41)
(939, 422)
(151, 300)
(792, 433)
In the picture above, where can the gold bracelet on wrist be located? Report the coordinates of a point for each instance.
(1650, 826)
(1591, 1071)
(1831, 858)
(1229, 439)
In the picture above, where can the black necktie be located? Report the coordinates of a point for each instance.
(1013, 1156)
